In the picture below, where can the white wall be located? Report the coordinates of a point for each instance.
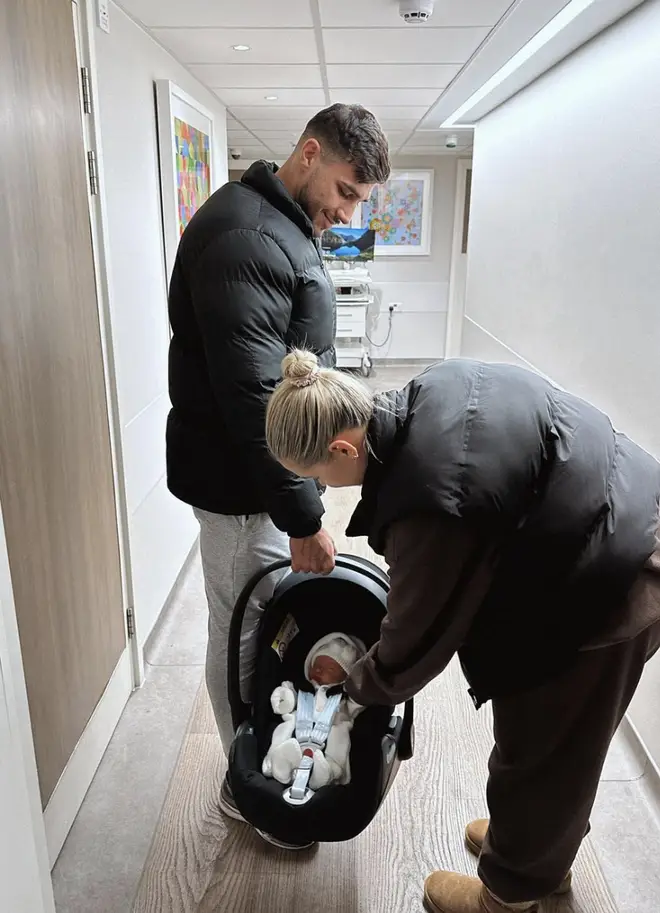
(25, 885)
(419, 284)
(564, 264)
(161, 530)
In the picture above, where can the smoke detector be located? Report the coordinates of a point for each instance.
(416, 10)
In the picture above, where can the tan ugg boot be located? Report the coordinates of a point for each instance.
(448, 892)
(475, 836)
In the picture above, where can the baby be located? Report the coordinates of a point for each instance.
(328, 664)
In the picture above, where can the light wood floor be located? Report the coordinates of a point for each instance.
(202, 863)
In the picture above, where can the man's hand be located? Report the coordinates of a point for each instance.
(313, 555)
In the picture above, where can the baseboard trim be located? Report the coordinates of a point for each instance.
(71, 789)
(174, 592)
(405, 362)
(650, 780)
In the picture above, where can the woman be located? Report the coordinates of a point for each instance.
(520, 531)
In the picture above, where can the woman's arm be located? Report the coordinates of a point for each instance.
(440, 571)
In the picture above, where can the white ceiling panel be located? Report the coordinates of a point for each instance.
(432, 136)
(278, 136)
(403, 75)
(226, 13)
(404, 45)
(363, 52)
(388, 113)
(385, 13)
(216, 45)
(270, 113)
(380, 97)
(402, 125)
(249, 76)
(252, 152)
(243, 97)
(263, 126)
(240, 136)
(430, 152)
(413, 144)
(283, 149)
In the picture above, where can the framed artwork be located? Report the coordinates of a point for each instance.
(400, 214)
(186, 149)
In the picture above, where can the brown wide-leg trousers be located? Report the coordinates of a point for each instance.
(550, 747)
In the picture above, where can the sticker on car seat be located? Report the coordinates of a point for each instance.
(285, 635)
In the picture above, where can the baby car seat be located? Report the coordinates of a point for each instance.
(304, 608)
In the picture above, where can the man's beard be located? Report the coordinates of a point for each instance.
(302, 199)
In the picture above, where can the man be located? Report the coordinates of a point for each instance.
(248, 284)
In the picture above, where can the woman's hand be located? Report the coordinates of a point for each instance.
(313, 555)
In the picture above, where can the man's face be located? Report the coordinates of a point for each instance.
(329, 193)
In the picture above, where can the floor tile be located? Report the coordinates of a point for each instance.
(627, 842)
(622, 764)
(100, 865)
(180, 638)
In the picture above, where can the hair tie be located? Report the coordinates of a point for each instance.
(306, 381)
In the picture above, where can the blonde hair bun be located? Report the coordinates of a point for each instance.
(300, 368)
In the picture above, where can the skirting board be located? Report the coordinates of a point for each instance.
(169, 602)
(68, 795)
(402, 362)
(650, 780)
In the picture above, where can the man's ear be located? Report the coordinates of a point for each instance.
(310, 151)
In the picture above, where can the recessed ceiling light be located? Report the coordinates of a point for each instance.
(240, 47)
(270, 97)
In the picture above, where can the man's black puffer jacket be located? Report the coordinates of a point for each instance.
(248, 284)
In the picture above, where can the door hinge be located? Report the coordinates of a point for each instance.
(86, 91)
(130, 622)
(93, 173)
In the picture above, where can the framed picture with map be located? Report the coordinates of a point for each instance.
(399, 212)
(186, 149)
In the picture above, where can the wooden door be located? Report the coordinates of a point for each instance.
(56, 480)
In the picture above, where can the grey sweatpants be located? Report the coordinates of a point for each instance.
(233, 549)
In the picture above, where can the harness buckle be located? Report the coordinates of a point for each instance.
(299, 793)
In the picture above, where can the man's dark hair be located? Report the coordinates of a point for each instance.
(352, 134)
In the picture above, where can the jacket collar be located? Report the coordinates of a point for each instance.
(385, 434)
(262, 177)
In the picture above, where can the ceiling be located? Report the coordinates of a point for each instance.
(310, 53)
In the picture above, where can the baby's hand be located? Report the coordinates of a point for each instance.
(283, 699)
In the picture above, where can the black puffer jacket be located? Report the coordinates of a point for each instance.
(570, 506)
(248, 284)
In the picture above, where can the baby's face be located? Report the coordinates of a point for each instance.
(326, 671)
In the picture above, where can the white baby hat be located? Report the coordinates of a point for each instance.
(343, 649)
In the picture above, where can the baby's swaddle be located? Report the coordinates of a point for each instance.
(317, 726)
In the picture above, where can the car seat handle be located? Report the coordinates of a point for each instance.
(240, 710)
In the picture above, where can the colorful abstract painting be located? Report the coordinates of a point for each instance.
(193, 170)
(395, 211)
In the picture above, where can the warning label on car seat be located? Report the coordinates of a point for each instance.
(285, 635)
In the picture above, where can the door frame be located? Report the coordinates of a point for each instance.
(100, 247)
(458, 267)
(24, 832)
(69, 793)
